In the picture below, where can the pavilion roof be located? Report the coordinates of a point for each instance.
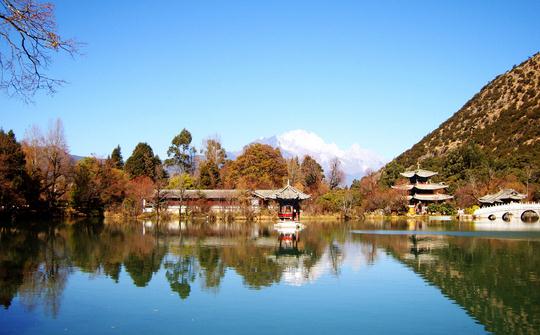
(421, 186)
(504, 194)
(286, 193)
(430, 186)
(420, 173)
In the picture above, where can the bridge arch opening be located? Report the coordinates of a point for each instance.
(507, 217)
(492, 217)
(530, 216)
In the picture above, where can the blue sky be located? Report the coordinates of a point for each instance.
(382, 74)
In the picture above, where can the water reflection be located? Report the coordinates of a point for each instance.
(496, 280)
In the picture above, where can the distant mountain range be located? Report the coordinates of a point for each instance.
(355, 160)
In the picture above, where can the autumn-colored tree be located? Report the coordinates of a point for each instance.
(28, 37)
(97, 185)
(85, 191)
(138, 188)
(259, 166)
(213, 152)
(142, 162)
(48, 161)
(294, 171)
(312, 173)
(378, 197)
(209, 176)
(209, 169)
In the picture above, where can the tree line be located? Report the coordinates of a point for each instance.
(38, 176)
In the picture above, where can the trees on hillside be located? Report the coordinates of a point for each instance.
(259, 166)
(28, 37)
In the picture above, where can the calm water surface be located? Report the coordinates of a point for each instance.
(374, 277)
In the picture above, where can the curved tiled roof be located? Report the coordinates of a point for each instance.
(505, 194)
(288, 193)
(421, 186)
(430, 186)
(420, 173)
(432, 197)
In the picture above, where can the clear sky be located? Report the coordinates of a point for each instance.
(382, 74)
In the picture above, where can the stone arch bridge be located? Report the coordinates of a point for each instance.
(507, 212)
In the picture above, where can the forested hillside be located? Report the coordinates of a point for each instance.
(495, 135)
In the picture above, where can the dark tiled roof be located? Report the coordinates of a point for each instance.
(420, 173)
(505, 194)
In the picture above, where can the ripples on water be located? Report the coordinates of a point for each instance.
(139, 278)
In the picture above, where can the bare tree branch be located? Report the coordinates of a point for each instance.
(28, 32)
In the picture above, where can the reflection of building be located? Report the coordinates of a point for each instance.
(504, 196)
(420, 189)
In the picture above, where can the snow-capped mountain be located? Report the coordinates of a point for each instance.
(355, 160)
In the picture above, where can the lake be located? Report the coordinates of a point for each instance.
(408, 277)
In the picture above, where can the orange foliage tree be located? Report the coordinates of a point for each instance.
(259, 166)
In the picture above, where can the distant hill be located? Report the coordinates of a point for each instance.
(497, 130)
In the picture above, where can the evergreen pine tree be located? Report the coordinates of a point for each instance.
(116, 158)
(13, 176)
(142, 162)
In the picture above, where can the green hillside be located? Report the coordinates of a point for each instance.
(496, 134)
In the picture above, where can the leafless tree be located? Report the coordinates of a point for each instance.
(294, 171)
(213, 151)
(335, 173)
(28, 37)
(49, 161)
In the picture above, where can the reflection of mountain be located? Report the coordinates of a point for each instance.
(496, 281)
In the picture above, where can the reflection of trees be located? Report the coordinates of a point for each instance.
(252, 263)
(180, 273)
(495, 280)
(33, 265)
(213, 267)
(17, 251)
(142, 266)
(336, 257)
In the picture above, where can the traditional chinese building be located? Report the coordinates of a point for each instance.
(288, 200)
(420, 189)
(504, 196)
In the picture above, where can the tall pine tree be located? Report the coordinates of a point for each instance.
(116, 158)
(142, 162)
